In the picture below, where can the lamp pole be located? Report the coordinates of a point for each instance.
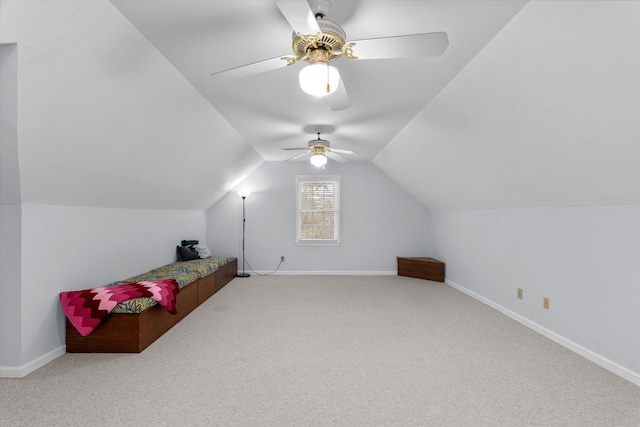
(244, 220)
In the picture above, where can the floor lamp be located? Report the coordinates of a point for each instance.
(244, 195)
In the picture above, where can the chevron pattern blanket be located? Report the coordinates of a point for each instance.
(87, 308)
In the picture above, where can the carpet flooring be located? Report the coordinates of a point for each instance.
(329, 351)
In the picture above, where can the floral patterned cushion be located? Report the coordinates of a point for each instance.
(184, 272)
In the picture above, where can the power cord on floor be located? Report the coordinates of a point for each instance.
(264, 274)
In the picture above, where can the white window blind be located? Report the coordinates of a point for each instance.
(318, 209)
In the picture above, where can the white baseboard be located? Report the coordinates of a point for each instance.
(23, 371)
(324, 273)
(602, 361)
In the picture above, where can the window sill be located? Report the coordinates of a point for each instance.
(318, 242)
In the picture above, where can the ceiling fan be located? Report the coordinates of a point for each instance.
(319, 41)
(321, 149)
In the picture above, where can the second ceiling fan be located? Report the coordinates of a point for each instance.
(321, 149)
(319, 41)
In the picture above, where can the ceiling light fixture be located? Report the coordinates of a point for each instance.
(318, 160)
(319, 78)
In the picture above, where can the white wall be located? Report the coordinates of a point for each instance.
(530, 163)
(10, 209)
(67, 248)
(545, 115)
(10, 295)
(113, 121)
(586, 260)
(379, 221)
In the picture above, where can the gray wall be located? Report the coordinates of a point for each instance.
(68, 248)
(379, 221)
(586, 260)
(10, 208)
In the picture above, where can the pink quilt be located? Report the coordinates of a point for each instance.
(86, 309)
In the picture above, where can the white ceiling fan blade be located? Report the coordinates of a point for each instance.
(341, 151)
(250, 69)
(410, 46)
(297, 156)
(339, 100)
(299, 15)
(301, 148)
(338, 158)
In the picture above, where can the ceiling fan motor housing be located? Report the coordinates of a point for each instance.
(318, 142)
(332, 39)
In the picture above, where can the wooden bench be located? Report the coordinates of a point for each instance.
(421, 268)
(133, 332)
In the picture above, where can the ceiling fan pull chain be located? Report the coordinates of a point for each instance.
(328, 86)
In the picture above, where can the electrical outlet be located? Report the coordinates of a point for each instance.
(545, 303)
(281, 258)
(519, 293)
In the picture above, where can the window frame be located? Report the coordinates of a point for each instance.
(300, 180)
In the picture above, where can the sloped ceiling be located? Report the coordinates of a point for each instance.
(105, 120)
(548, 114)
(270, 110)
(532, 104)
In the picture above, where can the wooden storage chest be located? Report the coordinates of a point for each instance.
(421, 268)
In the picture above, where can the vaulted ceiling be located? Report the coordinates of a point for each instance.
(270, 110)
(532, 104)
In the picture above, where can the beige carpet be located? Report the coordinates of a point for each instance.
(330, 351)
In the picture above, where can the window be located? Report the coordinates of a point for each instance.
(318, 209)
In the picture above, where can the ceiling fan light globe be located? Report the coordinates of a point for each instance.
(319, 79)
(318, 160)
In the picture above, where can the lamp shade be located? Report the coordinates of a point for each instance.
(319, 79)
(318, 160)
(244, 193)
